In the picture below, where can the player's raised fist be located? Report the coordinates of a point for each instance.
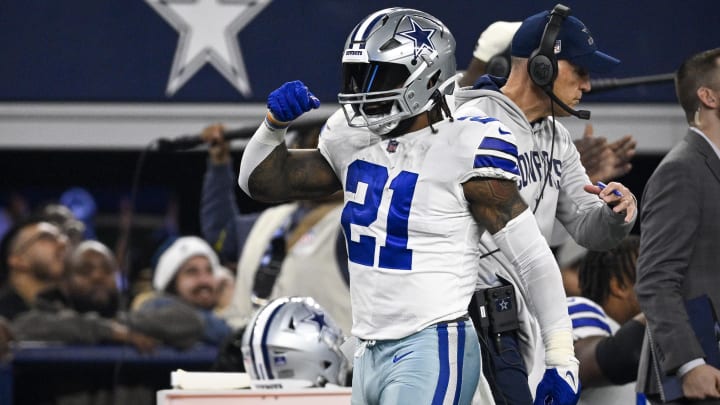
(290, 101)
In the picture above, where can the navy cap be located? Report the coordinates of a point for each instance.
(574, 43)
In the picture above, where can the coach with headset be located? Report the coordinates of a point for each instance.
(552, 55)
(603, 160)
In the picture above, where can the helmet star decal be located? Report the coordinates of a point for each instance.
(420, 36)
(316, 317)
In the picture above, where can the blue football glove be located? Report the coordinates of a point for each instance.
(559, 386)
(291, 100)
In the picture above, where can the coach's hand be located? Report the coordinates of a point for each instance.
(559, 386)
(290, 101)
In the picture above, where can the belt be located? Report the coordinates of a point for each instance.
(463, 318)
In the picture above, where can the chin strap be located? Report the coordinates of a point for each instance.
(442, 101)
(447, 87)
(429, 118)
(439, 101)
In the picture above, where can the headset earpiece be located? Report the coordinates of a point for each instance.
(542, 64)
(542, 69)
(499, 65)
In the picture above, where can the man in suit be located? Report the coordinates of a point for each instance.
(680, 230)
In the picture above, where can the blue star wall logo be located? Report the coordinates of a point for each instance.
(420, 36)
(208, 34)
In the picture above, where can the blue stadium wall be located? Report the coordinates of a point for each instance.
(122, 50)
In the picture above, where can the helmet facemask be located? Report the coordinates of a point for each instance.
(372, 95)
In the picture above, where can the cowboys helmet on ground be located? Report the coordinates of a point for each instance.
(294, 338)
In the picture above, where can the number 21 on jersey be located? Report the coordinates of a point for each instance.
(372, 179)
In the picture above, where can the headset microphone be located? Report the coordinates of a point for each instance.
(582, 114)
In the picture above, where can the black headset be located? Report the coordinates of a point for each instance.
(499, 65)
(542, 63)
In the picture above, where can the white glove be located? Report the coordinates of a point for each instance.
(560, 385)
(495, 39)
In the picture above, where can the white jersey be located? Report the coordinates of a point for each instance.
(412, 242)
(589, 319)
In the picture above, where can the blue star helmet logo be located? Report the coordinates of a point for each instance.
(420, 36)
(318, 318)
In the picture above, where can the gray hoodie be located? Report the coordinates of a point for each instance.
(561, 197)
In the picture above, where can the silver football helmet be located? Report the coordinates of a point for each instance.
(294, 338)
(393, 63)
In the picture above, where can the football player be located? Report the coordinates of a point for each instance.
(420, 189)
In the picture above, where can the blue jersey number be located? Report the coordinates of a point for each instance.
(395, 254)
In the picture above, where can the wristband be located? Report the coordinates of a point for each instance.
(559, 348)
(273, 123)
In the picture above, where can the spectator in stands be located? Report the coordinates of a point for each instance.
(33, 254)
(608, 326)
(84, 309)
(61, 216)
(292, 249)
(187, 274)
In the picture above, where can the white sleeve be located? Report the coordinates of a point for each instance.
(523, 244)
(496, 155)
(265, 139)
